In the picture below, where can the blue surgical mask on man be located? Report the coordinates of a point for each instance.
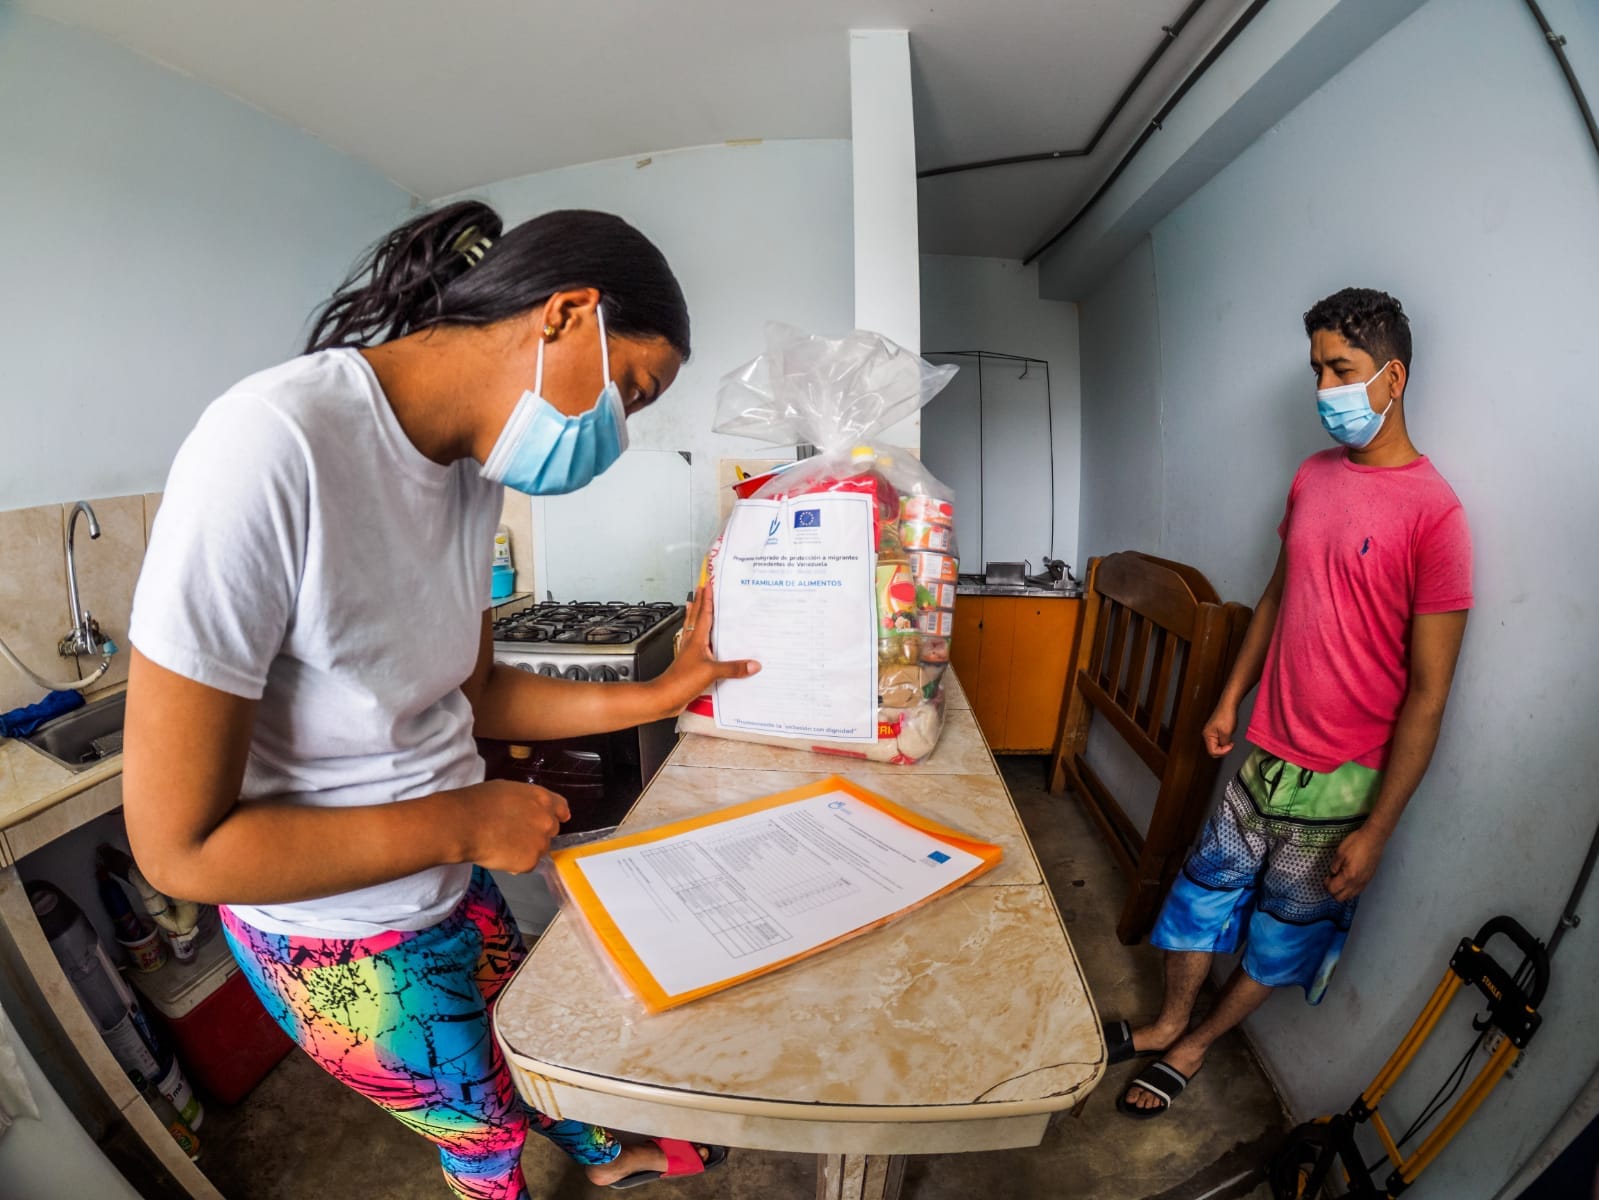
(1346, 412)
(544, 452)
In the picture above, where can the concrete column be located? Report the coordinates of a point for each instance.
(883, 133)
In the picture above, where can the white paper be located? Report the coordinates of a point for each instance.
(795, 590)
(716, 903)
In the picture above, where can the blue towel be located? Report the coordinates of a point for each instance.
(20, 722)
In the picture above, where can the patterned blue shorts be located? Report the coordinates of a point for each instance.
(1259, 873)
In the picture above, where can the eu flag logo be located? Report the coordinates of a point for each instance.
(808, 518)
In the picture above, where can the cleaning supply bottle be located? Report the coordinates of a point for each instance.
(178, 920)
(504, 573)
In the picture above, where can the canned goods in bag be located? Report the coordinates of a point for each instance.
(934, 568)
(927, 508)
(938, 623)
(925, 535)
(937, 595)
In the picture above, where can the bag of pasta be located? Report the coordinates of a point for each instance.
(837, 572)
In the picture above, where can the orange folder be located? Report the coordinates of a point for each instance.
(626, 959)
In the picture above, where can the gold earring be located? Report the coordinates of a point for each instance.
(549, 332)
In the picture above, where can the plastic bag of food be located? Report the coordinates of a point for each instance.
(839, 395)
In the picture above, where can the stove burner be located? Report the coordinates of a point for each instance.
(523, 633)
(589, 622)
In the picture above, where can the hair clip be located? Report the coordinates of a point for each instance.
(470, 249)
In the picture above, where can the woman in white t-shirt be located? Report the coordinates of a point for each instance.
(312, 657)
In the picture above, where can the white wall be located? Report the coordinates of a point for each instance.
(160, 241)
(993, 304)
(754, 233)
(1122, 446)
(1448, 165)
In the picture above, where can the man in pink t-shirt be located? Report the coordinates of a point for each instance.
(1354, 646)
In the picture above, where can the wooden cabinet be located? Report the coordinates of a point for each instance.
(1012, 654)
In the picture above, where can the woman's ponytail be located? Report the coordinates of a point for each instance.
(397, 286)
(453, 266)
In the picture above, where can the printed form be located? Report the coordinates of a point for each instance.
(794, 590)
(714, 904)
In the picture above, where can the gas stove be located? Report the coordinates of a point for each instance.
(606, 642)
(602, 774)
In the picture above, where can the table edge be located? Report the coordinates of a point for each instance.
(819, 1112)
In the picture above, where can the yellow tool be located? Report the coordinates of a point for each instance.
(1300, 1170)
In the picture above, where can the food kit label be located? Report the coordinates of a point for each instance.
(796, 590)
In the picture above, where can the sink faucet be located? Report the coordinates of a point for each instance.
(84, 637)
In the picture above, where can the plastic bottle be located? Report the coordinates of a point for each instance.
(123, 920)
(519, 766)
(182, 1132)
(178, 920)
(136, 1046)
(503, 572)
(575, 773)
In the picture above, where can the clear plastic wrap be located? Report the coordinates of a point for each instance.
(839, 395)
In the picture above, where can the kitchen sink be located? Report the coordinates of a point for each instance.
(84, 737)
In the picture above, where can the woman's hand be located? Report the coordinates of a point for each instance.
(696, 667)
(511, 824)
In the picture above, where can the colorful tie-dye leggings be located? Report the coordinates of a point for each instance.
(403, 1018)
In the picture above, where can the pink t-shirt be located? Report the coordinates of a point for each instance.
(1368, 548)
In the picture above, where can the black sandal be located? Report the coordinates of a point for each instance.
(1161, 1080)
(1119, 1044)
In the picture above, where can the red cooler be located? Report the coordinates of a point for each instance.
(224, 1038)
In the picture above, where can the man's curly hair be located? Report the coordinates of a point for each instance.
(1367, 319)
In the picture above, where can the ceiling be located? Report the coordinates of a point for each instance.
(444, 97)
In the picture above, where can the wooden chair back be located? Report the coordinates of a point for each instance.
(1152, 653)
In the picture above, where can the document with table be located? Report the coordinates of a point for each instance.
(697, 906)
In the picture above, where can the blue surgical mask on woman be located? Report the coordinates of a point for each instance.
(544, 452)
(1346, 412)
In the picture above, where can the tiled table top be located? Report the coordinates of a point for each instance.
(974, 1008)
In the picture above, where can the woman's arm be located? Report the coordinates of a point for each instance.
(183, 766)
(516, 705)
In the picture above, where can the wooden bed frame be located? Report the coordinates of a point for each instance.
(1151, 656)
